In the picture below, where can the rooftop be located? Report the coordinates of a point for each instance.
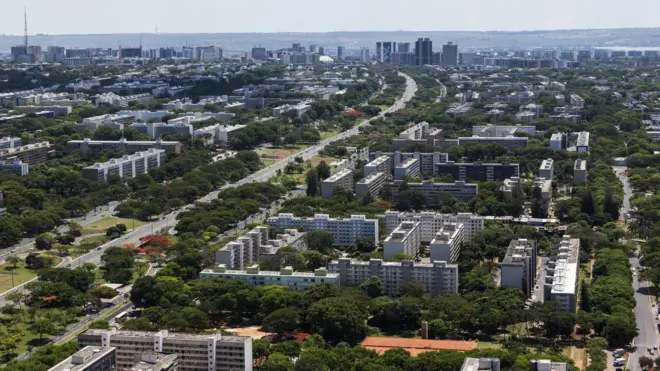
(339, 175)
(167, 334)
(567, 263)
(580, 164)
(370, 178)
(82, 359)
(518, 250)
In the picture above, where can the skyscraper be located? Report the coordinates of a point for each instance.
(321, 50)
(340, 52)
(423, 51)
(450, 54)
(403, 48)
(384, 51)
(259, 53)
(364, 55)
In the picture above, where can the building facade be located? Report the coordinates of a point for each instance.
(89, 358)
(382, 164)
(30, 154)
(580, 175)
(511, 143)
(343, 179)
(405, 239)
(478, 171)
(518, 269)
(427, 161)
(547, 169)
(459, 190)
(15, 166)
(450, 55)
(295, 281)
(370, 184)
(431, 223)
(344, 231)
(562, 274)
(127, 167)
(408, 168)
(446, 245)
(122, 145)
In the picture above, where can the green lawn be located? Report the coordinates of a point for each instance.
(20, 275)
(328, 134)
(106, 223)
(488, 345)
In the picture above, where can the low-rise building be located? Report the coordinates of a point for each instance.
(15, 166)
(244, 250)
(370, 184)
(432, 222)
(562, 273)
(345, 231)
(89, 358)
(409, 168)
(405, 239)
(478, 171)
(577, 100)
(558, 141)
(490, 131)
(437, 277)
(570, 117)
(342, 179)
(30, 154)
(459, 190)
(518, 269)
(415, 131)
(122, 145)
(547, 169)
(582, 141)
(481, 364)
(296, 281)
(127, 167)
(511, 143)
(213, 352)
(446, 245)
(580, 175)
(300, 109)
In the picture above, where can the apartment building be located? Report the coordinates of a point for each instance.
(296, 281)
(345, 231)
(437, 278)
(580, 171)
(97, 146)
(10, 142)
(89, 358)
(213, 352)
(581, 141)
(405, 239)
(382, 164)
(15, 166)
(481, 364)
(494, 131)
(158, 129)
(547, 365)
(371, 184)
(409, 168)
(446, 245)
(244, 250)
(511, 143)
(577, 100)
(342, 179)
(299, 109)
(570, 117)
(478, 171)
(558, 141)
(518, 269)
(427, 161)
(30, 154)
(415, 131)
(547, 169)
(562, 272)
(127, 167)
(460, 190)
(152, 361)
(431, 223)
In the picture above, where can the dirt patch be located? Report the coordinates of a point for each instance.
(252, 331)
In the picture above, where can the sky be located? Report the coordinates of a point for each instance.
(221, 16)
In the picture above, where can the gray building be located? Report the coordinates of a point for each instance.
(547, 169)
(460, 190)
(427, 161)
(345, 231)
(409, 168)
(405, 239)
(447, 243)
(122, 145)
(450, 54)
(518, 269)
(212, 352)
(15, 166)
(127, 167)
(547, 365)
(580, 174)
(478, 171)
(384, 51)
(296, 281)
(382, 164)
(423, 51)
(481, 364)
(151, 361)
(342, 179)
(10, 142)
(437, 278)
(511, 143)
(371, 184)
(562, 274)
(89, 358)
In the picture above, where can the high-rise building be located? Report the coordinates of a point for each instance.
(259, 53)
(253, 275)
(562, 274)
(344, 231)
(450, 54)
(90, 358)
(130, 52)
(340, 53)
(384, 51)
(55, 54)
(364, 55)
(423, 51)
(127, 167)
(403, 48)
(405, 239)
(321, 50)
(518, 269)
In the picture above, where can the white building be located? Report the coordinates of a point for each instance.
(371, 184)
(557, 141)
(547, 169)
(415, 131)
(518, 269)
(244, 250)
(577, 100)
(446, 245)
(112, 99)
(344, 231)
(459, 189)
(562, 272)
(437, 278)
(405, 239)
(10, 142)
(295, 281)
(382, 164)
(489, 131)
(342, 179)
(580, 175)
(127, 167)
(409, 168)
(300, 109)
(431, 223)
(427, 161)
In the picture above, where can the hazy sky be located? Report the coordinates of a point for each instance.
(210, 16)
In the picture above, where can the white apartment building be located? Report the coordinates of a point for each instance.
(295, 281)
(459, 189)
(112, 99)
(557, 141)
(15, 166)
(427, 161)
(345, 231)
(219, 133)
(446, 245)
(547, 169)
(518, 269)
(580, 175)
(489, 131)
(405, 239)
(481, 364)
(562, 272)
(127, 167)
(415, 131)
(408, 168)
(431, 223)
(382, 164)
(371, 184)
(437, 278)
(123, 145)
(244, 250)
(577, 100)
(10, 142)
(576, 119)
(300, 109)
(212, 352)
(511, 143)
(582, 141)
(342, 179)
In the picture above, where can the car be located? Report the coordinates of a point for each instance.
(68, 265)
(98, 248)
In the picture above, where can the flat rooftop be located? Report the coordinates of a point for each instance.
(82, 359)
(370, 178)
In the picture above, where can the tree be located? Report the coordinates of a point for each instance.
(11, 230)
(195, 318)
(13, 260)
(44, 241)
(401, 256)
(320, 241)
(101, 324)
(438, 329)
(610, 204)
(143, 292)
(260, 350)
(323, 170)
(282, 321)
(290, 349)
(337, 320)
(588, 204)
(645, 363)
(412, 288)
(313, 184)
(42, 327)
(36, 261)
(65, 239)
(373, 287)
(365, 245)
(277, 362)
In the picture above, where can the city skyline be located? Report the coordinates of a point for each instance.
(204, 16)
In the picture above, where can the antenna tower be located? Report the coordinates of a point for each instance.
(25, 41)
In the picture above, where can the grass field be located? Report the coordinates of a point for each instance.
(20, 275)
(488, 345)
(106, 223)
(328, 134)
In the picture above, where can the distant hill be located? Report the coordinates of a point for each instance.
(627, 37)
